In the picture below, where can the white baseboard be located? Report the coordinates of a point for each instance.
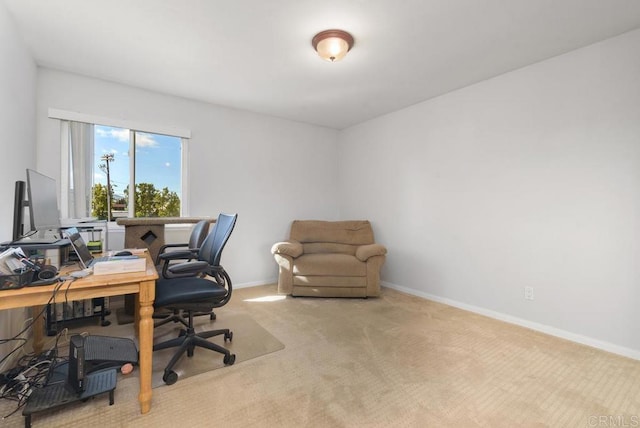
(552, 331)
(256, 283)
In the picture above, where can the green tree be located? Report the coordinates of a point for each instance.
(149, 201)
(145, 200)
(99, 201)
(168, 203)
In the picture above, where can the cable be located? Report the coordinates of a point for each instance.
(53, 300)
(31, 372)
(25, 339)
(66, 292)
(28, 326)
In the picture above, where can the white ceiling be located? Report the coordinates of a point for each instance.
(256, 54)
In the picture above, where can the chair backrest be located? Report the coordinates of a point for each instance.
(199, 233)
(211, 249)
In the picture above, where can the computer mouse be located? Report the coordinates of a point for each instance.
(123, 253)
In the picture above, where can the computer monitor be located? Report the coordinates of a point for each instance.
(39, 195)
(42, 201)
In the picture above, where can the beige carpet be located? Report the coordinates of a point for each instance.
(393, 361)
(250, 340)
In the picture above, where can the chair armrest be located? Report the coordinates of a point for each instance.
(189, 269)
(287, 248)
(165, 246)
(176, 255)
(365, 251)
(163, 249)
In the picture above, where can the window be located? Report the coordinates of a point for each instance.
(148, 163)
(143, 168)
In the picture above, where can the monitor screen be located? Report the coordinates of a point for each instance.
(42, 201)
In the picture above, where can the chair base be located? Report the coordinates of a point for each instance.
(187, 342)
(179, 316)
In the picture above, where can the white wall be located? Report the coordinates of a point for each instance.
(531, 178)
(17, 115)
(268, 170)
(18, 141)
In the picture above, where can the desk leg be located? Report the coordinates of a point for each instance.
(37, 312)
(145, 338)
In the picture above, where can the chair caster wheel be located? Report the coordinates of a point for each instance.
(170, 377)
(228, 336)
(228, 360)
(212, 317)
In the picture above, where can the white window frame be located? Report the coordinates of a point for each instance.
(64, 116)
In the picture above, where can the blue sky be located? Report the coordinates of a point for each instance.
(158, 159)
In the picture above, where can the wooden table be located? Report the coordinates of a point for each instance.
(143, 284)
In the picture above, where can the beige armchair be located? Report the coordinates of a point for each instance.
(329, 259)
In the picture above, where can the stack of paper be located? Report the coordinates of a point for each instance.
(10, 261)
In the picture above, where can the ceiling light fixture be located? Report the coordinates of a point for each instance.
(332, 45)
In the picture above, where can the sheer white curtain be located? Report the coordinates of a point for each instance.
(80, 169)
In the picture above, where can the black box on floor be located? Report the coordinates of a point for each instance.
(76, 363)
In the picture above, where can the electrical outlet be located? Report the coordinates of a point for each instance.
(528, 293)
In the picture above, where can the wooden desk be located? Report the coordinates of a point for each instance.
(143, 284)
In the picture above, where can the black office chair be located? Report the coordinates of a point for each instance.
(190, 251)
(167, 258)
(193, 294)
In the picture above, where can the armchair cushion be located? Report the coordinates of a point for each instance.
(329, 264)
(354, 232)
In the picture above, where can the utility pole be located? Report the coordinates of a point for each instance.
(107, 158)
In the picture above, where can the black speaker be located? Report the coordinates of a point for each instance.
(46, 275)
(47, 272)
(18, 210)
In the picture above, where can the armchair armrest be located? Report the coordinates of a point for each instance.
(365, 251)
(287, 248)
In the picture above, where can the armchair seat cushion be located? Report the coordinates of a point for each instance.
(329, 264)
